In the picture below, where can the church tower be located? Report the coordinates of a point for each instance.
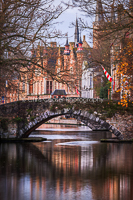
(99, 12)
(76, 34)
(99, 19)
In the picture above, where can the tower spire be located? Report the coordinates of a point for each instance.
(76, 34)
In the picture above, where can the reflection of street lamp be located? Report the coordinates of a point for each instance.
(18, 85)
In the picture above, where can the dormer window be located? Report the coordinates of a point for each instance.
(58, 70)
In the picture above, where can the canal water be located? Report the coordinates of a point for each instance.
(71, 165)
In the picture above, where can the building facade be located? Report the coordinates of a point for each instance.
(87, 81)
(60, 68)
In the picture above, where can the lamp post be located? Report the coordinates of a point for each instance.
(18, 91)
(6, 91)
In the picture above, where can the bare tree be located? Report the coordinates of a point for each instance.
(112, 21)
(22, 24)
(112, 29)
(112, 16)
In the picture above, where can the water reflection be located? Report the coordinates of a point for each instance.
(50, 170)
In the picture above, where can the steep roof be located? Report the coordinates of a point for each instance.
(58, 92)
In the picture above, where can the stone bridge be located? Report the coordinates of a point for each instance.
(23, 117)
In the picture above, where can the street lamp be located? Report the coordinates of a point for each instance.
(6, 86)
(18, 91)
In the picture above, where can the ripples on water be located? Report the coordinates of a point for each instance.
(78, 143)
(70, 165)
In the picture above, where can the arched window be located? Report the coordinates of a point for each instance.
(48, 87)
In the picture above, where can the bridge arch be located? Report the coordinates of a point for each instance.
(90, 120)
(35, 126)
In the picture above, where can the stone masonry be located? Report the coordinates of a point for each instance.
(124, 123)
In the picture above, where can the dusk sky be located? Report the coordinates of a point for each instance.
(67, 18)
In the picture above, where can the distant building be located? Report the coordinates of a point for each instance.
(87, 81)
(91, 80)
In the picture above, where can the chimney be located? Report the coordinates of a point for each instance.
(53, 44)
(83, 38)
(72, 45)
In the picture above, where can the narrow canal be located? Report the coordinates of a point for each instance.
(71, 165)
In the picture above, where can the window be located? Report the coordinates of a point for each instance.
(117, 48)
(37, 87)
(55, 85)
(31, 87)
(41, 87)
(91, 80)
(37, 72)
(23, 86)
(48, 87)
